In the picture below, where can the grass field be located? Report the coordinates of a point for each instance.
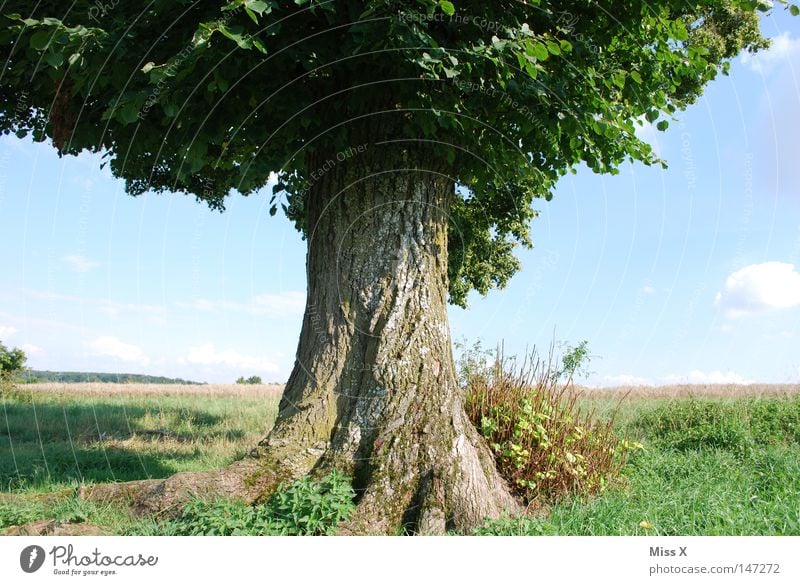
(717, 460)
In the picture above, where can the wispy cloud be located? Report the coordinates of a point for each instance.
(270, 304)
(7, 331)
(759, 288)
(207, 355)
(784, 50)
(30, 349)
(79, 263)
(113, 347)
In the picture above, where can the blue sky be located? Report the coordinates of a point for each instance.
(686, 275)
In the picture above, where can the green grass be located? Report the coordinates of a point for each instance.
(709, 467)
(49, 441)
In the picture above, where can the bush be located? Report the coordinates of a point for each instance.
(735, 426)
(693, 424)
(544, 446)
(12, 364)
(304, 507)
(20, 512)
(250, 380)
(774, 421)
(12, 361)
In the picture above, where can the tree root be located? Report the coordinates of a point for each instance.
(448, 488)
(250, 480)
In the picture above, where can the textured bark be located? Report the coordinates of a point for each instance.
(373, 392)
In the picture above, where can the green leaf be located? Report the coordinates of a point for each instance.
(127, 113)
(54, 59)
(251, 14)
(259, 45)
(257, 6)
(662, 125)
(537, 50)
(40, 40)
(531, 69)
(447, 7)
(553, 48)
(236, 34)
(679, 30)
(636, 77)
(794, 9)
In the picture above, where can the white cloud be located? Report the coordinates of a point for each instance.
(79, 263)
(714, 377)
(627, 380)
(113, 347)
(269, 304)
(648, 289)
(758, 288)
(30, 349)
(784, 50)
(7, 331)
(207, 355)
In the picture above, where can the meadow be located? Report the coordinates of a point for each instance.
(715, 460)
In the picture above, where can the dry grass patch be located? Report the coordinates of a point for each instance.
(105, 389)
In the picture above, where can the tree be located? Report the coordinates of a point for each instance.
(12, 363)
(250, 380)
(408, 141)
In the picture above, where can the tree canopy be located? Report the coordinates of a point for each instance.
(12, 361)
(210, 98)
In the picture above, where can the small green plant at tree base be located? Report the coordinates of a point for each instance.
(544, 446)
(304, 507)
(18, 513)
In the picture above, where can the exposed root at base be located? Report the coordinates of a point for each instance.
(249, 480)
(455, 498)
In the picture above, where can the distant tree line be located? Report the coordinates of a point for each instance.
(34, 376)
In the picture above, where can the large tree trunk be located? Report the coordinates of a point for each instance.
(373, 392)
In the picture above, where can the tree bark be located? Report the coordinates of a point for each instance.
(373, 393)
